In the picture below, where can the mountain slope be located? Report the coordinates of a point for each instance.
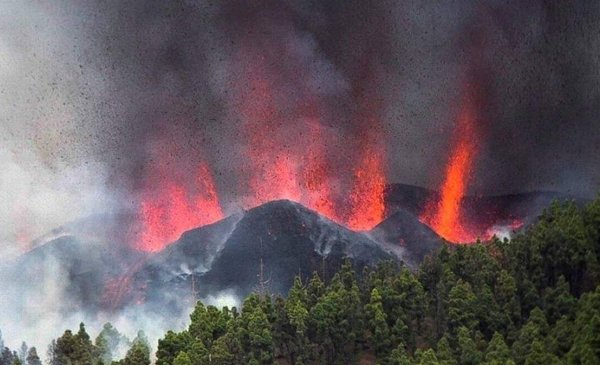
(403, 232)
(282, 237)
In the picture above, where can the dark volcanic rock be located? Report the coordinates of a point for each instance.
(403, 232)
(192, 253)
(290, 240)
(284, 238)
(482, 212)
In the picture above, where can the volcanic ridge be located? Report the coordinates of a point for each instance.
(260, 249)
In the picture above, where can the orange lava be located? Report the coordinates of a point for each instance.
(176, 209)
(367, 196)
(318, 194)
(286, 155)
(118, 290)
(271, 167)
(445, 215)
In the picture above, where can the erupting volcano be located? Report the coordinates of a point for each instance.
(444, 214)
(294, 163)
(175, 209)
(285, 154)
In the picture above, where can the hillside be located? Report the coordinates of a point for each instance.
(532, 300)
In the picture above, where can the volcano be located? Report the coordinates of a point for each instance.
(262, 248)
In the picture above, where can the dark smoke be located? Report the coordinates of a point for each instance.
(110, 98)
(172, 71)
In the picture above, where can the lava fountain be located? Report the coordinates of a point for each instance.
(286, 155)
(286, 152)
(176, 208)
(367, 195)
(444, 214)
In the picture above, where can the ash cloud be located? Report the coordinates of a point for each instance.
(147, 89)
(172, 72)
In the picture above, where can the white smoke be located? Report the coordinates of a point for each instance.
(49, 175)
(225, 298)
(36, 199)
(40, 312)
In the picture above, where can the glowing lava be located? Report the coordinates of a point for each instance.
(367, 196)
(286, 155)
(445, 215)
(177, 208)
(271, 169)
(318, 193)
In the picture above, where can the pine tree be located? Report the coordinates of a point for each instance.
(171, 345)
(7, 357)
(536, 328)
(539, 355)
(338, 318)
(84, 352)
(23, 352)
(426, 357)
(259, 340)
(560, 338)
(207, 324)
(220, 352)
(139, 353)
(52, 353)
(182, 359)
(506, 296)
(586, 342)
(65, 348)
(283, 332)
(558, 301)
(234, 339)
(198, 353)
(444, 352)
(108, 341)
(398, 356)
(297, 315)
(469, 354)
(314, 290)
(32, 357)
(404, 298)
(378, 326)
(461, 306)
(497, 352)
(296, 307)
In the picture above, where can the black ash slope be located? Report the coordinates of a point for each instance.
(280, 238)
